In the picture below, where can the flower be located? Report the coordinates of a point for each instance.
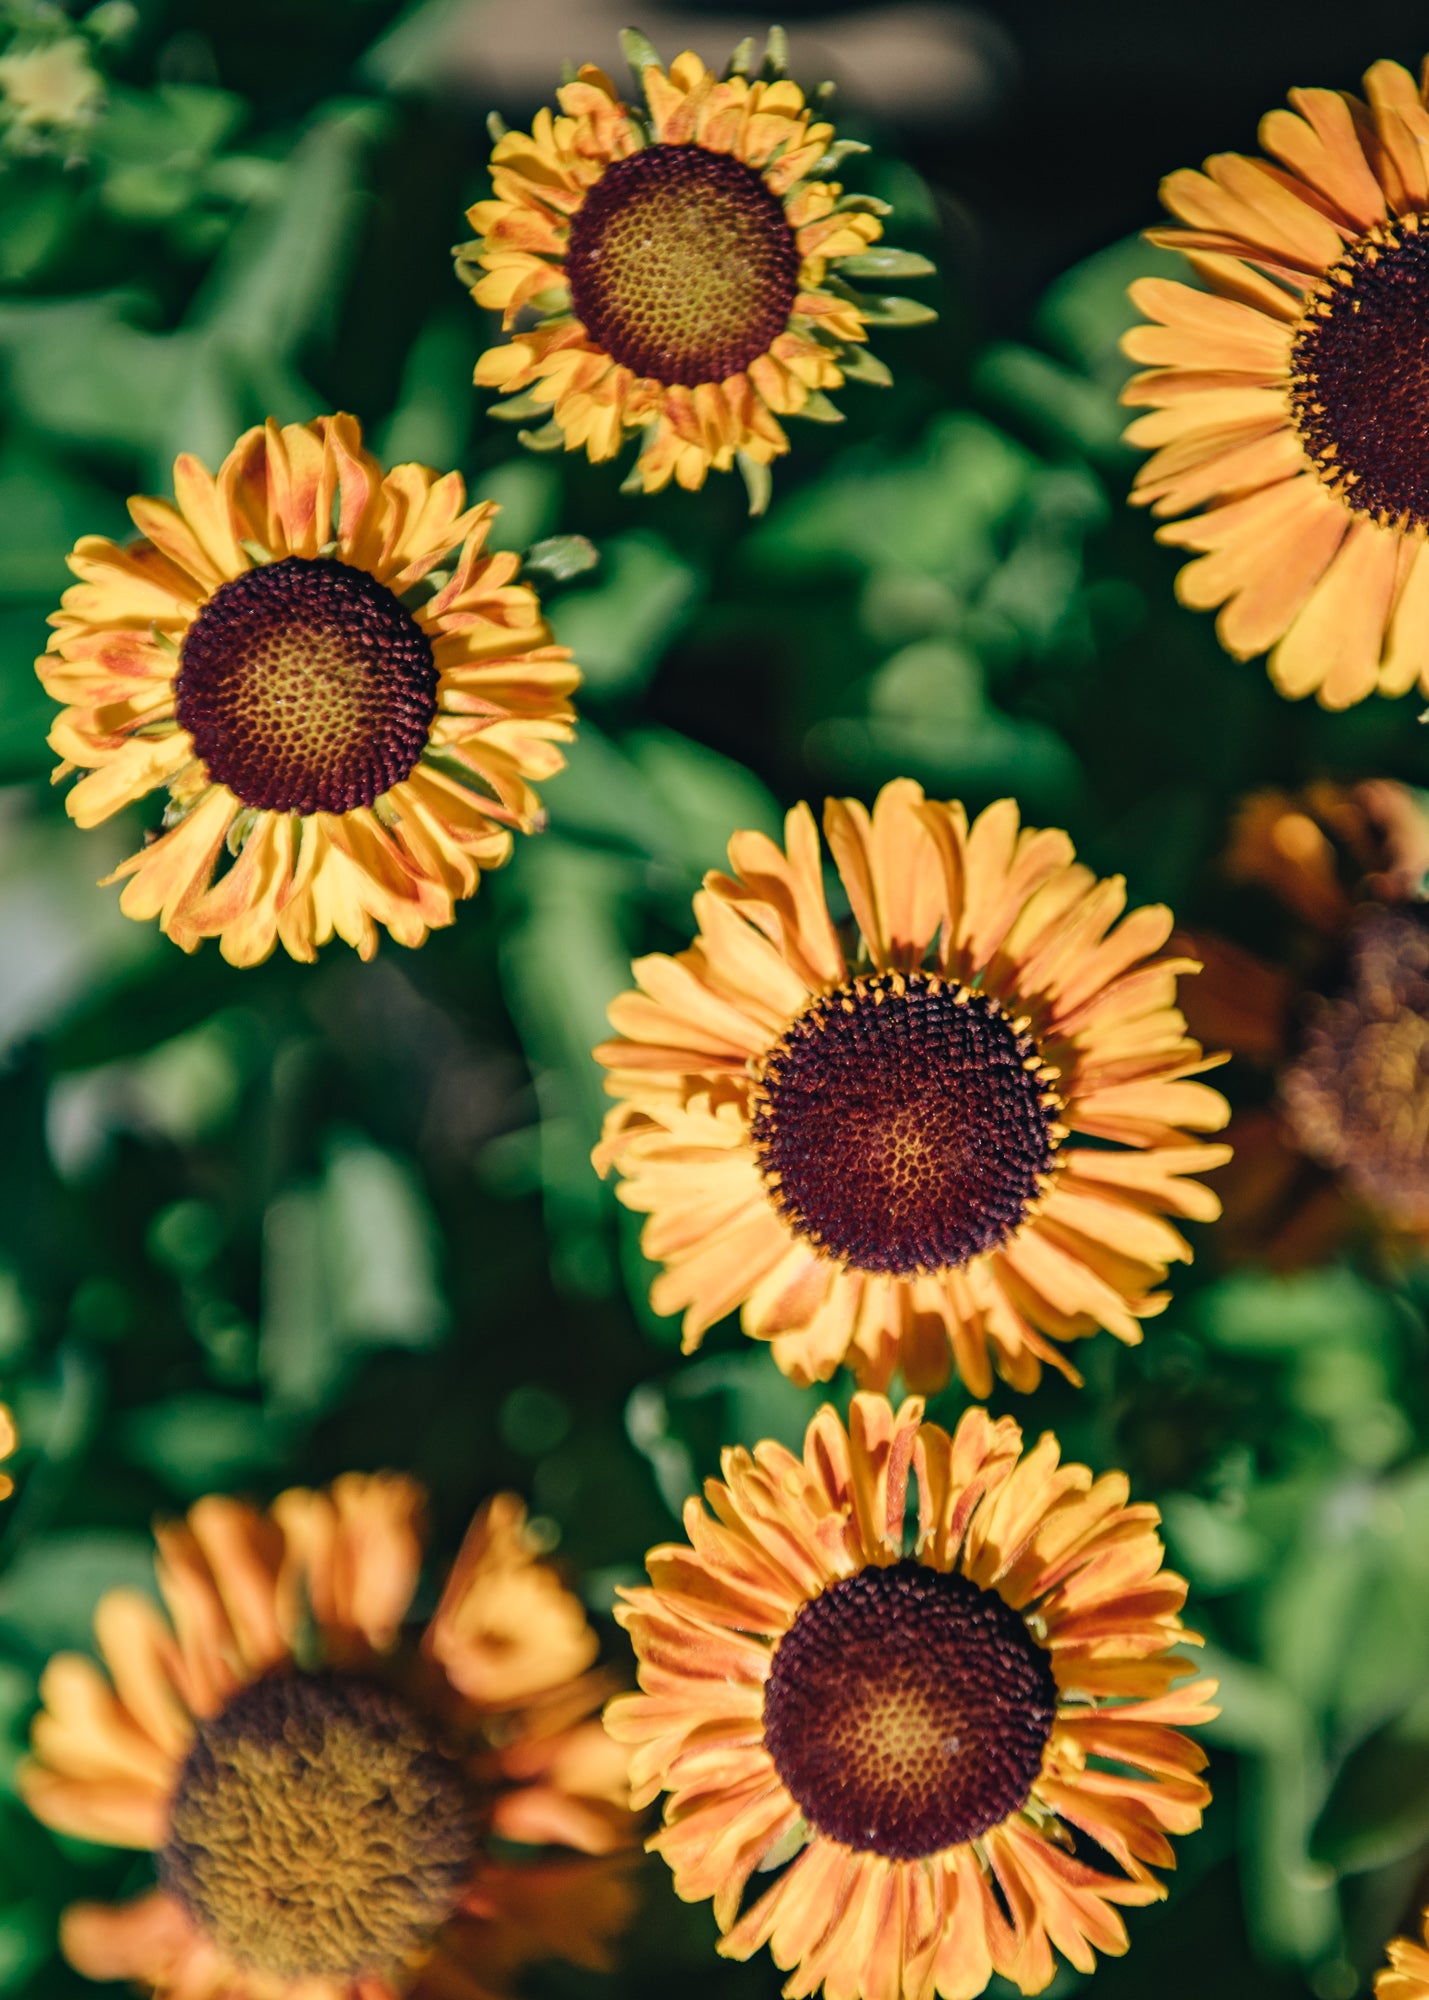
(321, 1786)
(48, 86)
(678, 269)
(9, 1439)
(867, 1148)
(927, 1733)
(1342, 1025)
(1287, 397)
(347, 736)
(1406, 1977)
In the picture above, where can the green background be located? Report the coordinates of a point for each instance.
(257, 1228)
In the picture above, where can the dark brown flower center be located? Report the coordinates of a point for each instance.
(904, 1124)
(682, 264)
(1360, 374)
(318, 1830)
(1357, 1093)
(307, 687)
(907, 1710)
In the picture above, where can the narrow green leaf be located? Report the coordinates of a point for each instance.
(517, 409)
(550, 437)
(776, 55)
(820, 410)
(639, 51)
(881, 311)
(841, 150)
(758, 482)
(862, 204)
(859, 365)
(563, 556)
(742, 61)
(496, 126)
(886, 262)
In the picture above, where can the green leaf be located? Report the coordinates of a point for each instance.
(742, 60)
(639, 51)
(550, 437)
(348, 1265)
(887, 263)
(889, 311)
(517, 409)
(194, 1443)
(1378, 1808)
(860, 364)
(776, 55)
(819, 410)
(758, 482)
(618, 630)
(48, 1594)
(832, 160)
(563, 556)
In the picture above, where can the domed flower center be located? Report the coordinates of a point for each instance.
(1360, 374)
(682, 265)
(307, 687)
(904, 1124)
(318, 1830)
(907, 1710)
(1357, 1093)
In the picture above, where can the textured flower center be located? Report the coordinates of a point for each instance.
(907, 1710)
(1357, 1094)
(318, 1831)
(1360, 374)
(307, 687)
(904, 1124)
(682, 265)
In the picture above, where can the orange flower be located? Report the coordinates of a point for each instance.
(869, 1149)
(674, 269)
(1343, 1025)
(9, 1439)
(321, 1785)
(1406, 1977)
(347, 735)
(1286, 396)
(921, 1736)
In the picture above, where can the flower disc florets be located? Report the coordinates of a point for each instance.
(907, 1710)
(1360, 375)
(318, 1830)
(682, 264)
(307, 686)
(904, 1123)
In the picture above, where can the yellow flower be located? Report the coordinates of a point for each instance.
(321, 1785)
(9, 1439)
(1406, 1977)
(52, 85)
(868, 1148)
(1287, 396)
(347, 735)
(675, 270)
(928, 1733)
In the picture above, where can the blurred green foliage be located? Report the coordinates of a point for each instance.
(258, 1228)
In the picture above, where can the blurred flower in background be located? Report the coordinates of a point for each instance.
(1343, 1025)
(282, 1727)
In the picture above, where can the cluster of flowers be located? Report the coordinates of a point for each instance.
(903, 1676)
